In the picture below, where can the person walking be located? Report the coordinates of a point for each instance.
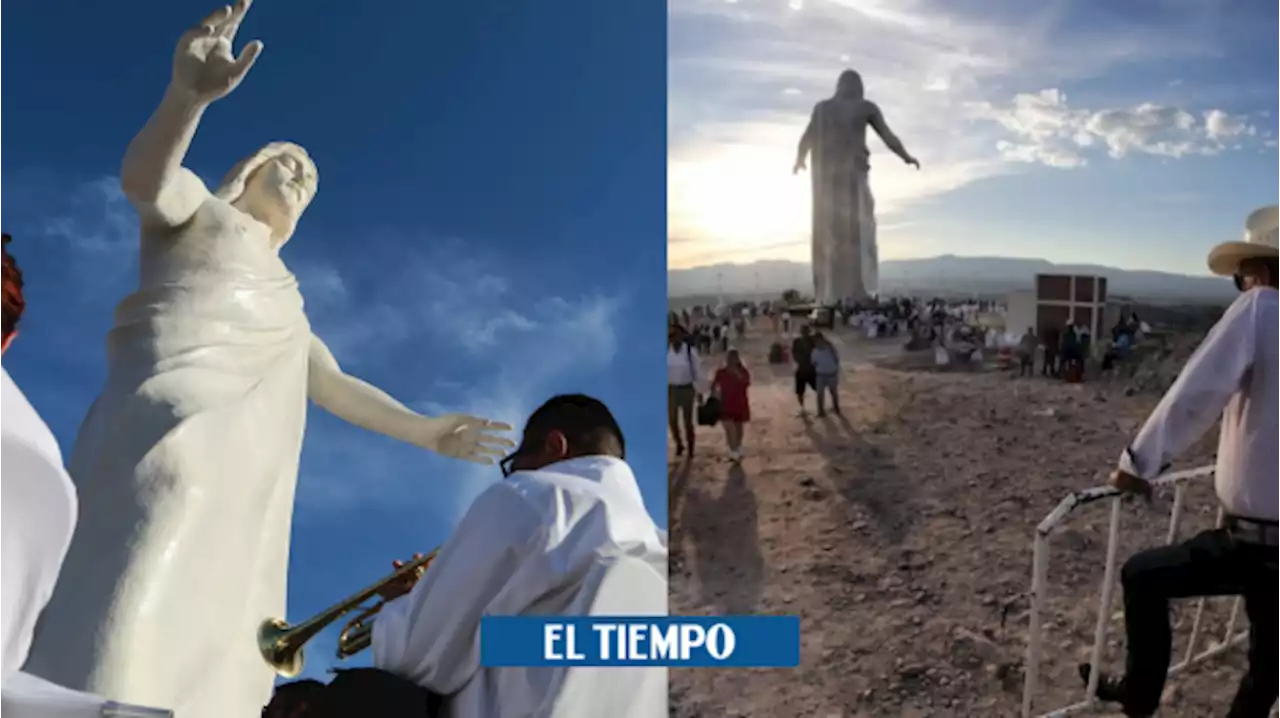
(683, 378)
(1233, 377)
(1071, 360)
(1027, 353)
(826, 371)
(1052, 342)
(731, 385)
(802, 355)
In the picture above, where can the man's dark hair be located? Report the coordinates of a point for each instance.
(14, 303)
(586, 422)
(290, 698)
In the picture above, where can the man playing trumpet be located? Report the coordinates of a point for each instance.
(538, 543)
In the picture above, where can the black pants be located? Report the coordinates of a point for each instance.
(806, 376)
(1209, 564)
(680, 401)
(1050, 367)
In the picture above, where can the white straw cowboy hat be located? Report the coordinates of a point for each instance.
(1260, 238)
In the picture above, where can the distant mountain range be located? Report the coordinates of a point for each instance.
(948, 275)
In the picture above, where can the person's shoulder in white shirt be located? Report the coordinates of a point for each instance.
(683, 365)
(527, 545)
(1239, 354)
(39, 516)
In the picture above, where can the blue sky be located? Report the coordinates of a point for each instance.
(1135, 134)
(487, 232)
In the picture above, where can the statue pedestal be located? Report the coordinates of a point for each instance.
(27, 696)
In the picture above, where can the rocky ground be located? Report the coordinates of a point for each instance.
(901, 534)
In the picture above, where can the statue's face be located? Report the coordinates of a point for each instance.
(277, 192)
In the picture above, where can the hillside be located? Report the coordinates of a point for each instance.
(949, 275)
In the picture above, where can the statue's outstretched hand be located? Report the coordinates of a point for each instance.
(913, 162)
(204, 65)
(465, 437)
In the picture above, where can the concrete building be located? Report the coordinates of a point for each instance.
(1058, 299)
(1078, 299)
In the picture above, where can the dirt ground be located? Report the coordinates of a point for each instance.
(901, 534)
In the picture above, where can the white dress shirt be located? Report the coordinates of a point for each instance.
(1233, 375)
(683, 367)
(538, 543)
(38, 506)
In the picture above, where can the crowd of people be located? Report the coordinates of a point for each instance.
(710, 332)
(1066, 351)
(954, 328)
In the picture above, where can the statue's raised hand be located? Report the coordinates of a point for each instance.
(203, 65)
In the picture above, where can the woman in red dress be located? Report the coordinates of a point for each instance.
(730, 386)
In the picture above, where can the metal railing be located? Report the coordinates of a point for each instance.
(1039, 591)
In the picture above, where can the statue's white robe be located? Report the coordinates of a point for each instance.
(186, 466)
(539, 543)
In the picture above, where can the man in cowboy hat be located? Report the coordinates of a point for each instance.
(1233, 375)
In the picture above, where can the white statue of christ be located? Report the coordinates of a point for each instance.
(845, 256)
(186, 464)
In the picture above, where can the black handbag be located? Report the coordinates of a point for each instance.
(709, 412)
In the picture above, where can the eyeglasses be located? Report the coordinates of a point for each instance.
(505, 464)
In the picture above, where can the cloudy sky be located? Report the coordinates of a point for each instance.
(482, 238)
(1134, 134)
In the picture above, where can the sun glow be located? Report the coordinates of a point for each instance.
(737, 198)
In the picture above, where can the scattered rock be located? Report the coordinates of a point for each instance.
(905, 544)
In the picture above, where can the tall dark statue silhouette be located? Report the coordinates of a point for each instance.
(845, 257)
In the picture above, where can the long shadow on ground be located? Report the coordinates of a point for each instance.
(726, 551)
(865, 474)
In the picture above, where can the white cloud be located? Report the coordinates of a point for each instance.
(498, 346)
(1045, 129)
(544, 348)
(1222, 127)
(322, 285)
(98, 228)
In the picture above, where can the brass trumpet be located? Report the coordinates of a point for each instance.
(281, 644)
